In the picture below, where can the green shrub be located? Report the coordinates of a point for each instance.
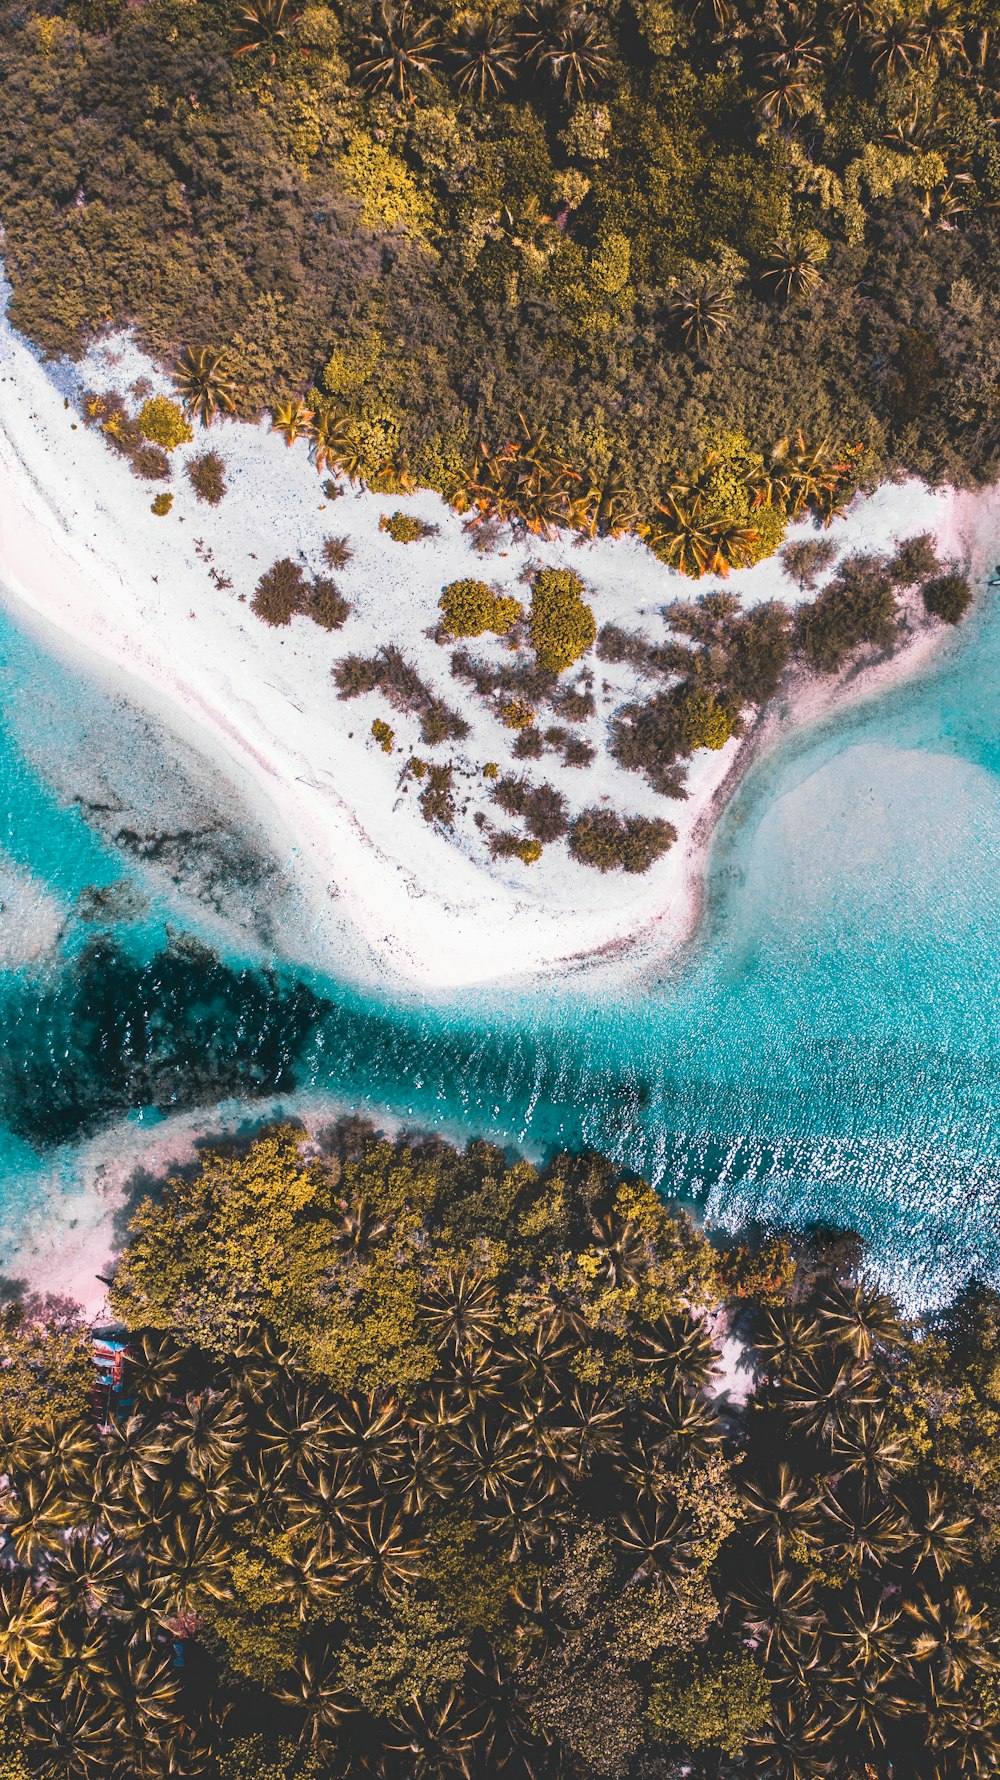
(206, 474)
(161, 505)
(151, 463)
(280, 592)
(609, 842)
(384, 736)
(403, 528)
(470, 607)
(516, 713)
(858, 606)
(491, 770)
(708, 1706)
(437, 800)
(948, 597)
(562, 625)
(162, 421)
(701, 720)
(515, 846)
(326, 606)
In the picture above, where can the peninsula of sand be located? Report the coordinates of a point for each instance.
(163, 602)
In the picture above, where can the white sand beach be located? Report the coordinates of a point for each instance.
(164, 603)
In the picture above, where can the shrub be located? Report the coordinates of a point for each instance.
(576, 704)
(577, 752)
(162, 421)
(383, 735)
(206, 474)
(915, 561)
(355, 674)
(561, 623)
(616, 645)
(404, 528)
(701, 720)
(337, 553)
(470, 607)
(858, 606)
(516, 713)
(948, 597)
(332, 490)
(437, 800)
(280, 593)
(161, 505)
(542, 806)
(528, 745)
(491, 770)
(326, 606)
(807, 559)
(515, 846)
(609, 842)
(417, 767)
(440, 723)
(152, 463)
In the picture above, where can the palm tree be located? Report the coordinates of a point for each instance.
(792, 266)
(313, 1692)
(948, 1638)
(143, 1690)
(795, 1744)
(294, 419)
(334, 1503)
(783, 1513)
(780, 1611)
(336, 445)
(311, 1584)
(564, 41)
(264, 24)
(135, 1453)
(483, 56)
(858, 1317)
(62, 1449)
(383, 1553)
(401, 50)
(209, 1433)
(700, 311)
(657, 1539)
(154, 1366)
(680, 1345)
(826, 1396)
(868, 1634)
(540, 1619)
(298, 1431)
(187, 1565)
(893, 45)
(786, 1338)
(71, 1735)
(34, 1512)
(939, 31)
(783, 97)
(204, 384)
(864, 1532)
(421, 1475)
(370, 1434)
(27, 1626)
(86, 1573)
(592, 1424)
(491, 1459)
(357, 1227)
(460, 1310)
(939, 1537)
(871, 1452)
(433, 1740)
(623, 1249)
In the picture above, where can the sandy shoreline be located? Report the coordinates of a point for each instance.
(387, 898)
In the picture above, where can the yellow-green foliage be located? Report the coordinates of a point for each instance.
(352, 365)
(561, 623)
(470, 607)
(46, 1367)
(384, 736)
(733, 467)
(161, 505)
(402, 528)
(702, 722)
(162, 421)
(390, 196)
(491, 770)
(710, 1706)
(516, 713)
(513, 846)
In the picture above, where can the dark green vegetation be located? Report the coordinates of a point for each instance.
(417, 1469)
(655, 262)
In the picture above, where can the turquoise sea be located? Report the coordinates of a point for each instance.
(829, 1049)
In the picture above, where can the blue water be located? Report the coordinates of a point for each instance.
(828, 1049)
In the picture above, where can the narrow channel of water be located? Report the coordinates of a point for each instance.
(829, 1049)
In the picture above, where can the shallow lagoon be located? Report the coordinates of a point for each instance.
(828, 1049)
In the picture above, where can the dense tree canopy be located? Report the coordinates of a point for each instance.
(418, 1466)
